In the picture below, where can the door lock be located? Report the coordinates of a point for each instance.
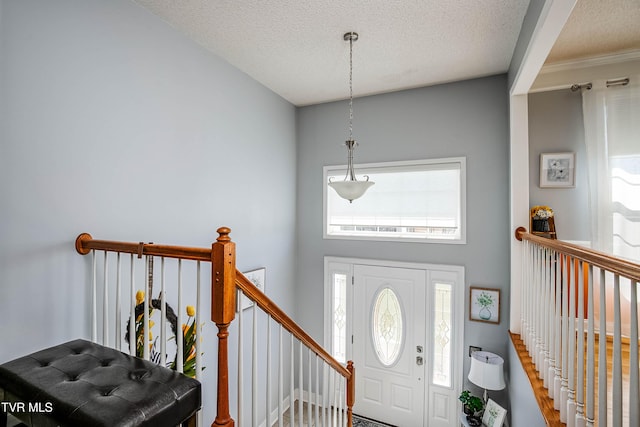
(419, 348)
(419, 360)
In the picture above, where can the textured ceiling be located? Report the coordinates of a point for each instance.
(598, 28)
(296, 48)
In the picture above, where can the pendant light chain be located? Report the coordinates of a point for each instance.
(351, 86)
(350, 188)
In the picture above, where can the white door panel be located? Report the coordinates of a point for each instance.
(388, 327)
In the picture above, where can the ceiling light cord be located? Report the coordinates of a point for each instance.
(351, 37)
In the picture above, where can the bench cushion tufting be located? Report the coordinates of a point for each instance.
(81, 383)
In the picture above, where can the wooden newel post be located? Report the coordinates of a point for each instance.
(351, 392)
(223, 309)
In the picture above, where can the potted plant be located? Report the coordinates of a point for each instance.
(471, 404)
(540, 219)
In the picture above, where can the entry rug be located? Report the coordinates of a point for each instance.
(359, 421)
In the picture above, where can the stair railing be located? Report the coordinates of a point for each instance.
(566, 289)
(328, 387)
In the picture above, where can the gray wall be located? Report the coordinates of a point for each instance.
(555, 125)
(523, 409)
(113, 123)
(467, 118)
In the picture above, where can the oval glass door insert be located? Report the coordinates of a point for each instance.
(387, 326)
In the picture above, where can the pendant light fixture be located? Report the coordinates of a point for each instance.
(350, 188)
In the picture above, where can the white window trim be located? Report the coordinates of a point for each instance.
(330, 170)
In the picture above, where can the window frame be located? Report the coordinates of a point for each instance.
(364, 168)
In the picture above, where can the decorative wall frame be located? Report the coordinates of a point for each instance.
(493, 414)
(557, 170)
(257, 277)
(484, 304)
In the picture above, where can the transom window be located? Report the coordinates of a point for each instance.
(416, 201)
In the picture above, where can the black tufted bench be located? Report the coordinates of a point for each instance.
(84, 384)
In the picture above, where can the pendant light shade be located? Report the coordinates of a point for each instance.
(350, 188)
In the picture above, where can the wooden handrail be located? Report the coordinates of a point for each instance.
(85, 243)
(254, 294)
(598, 259)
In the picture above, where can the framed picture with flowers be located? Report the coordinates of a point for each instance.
(557, 170)
(484, 305)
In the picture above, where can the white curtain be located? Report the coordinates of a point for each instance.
(612, 137)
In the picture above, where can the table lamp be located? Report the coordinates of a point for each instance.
(487, 371)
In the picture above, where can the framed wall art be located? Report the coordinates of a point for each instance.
(557, 170)
(257, 277)
(493, 414)
(484, 305)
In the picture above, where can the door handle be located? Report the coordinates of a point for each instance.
(419, 360)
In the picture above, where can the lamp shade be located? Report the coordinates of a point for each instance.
(350, 190)
(487, 370)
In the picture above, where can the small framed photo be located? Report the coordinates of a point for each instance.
(484, 305)
(557, 170)
(257, 277)
(493, 414)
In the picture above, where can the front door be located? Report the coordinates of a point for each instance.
(389, 343)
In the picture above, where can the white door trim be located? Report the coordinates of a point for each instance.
(345, 265)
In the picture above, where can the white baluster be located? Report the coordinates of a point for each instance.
(602, 354)
(291, 380)
(580, 420)
(525, 294)
(591, 362)
(546, 311)
(533, 351)
(105, 301)
(325, 392)
(132, 314)
(332, 396)
(163, 316)
(526, 301)
(254, 366)
(557, 379)
(268, 401)
(280, 376)
(551, 348)
(94, 303)
(564, 391)
(634, 392)
(317, 400)
(240, 387)
(309, 394)
(145, 312)
(118, 327)
(571, 404)
(180, 344)
(542, 309)
(198, 327)
(616, 404)
(300, 385)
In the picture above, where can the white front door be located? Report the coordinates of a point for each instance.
(389, 343)
(403, 326)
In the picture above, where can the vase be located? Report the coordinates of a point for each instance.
(485, 313)
(541, 225)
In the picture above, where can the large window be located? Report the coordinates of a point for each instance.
(416, 201)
